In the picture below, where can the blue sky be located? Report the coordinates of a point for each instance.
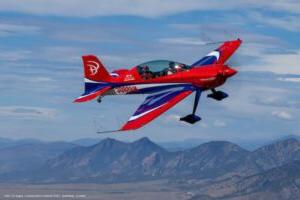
(41, 73)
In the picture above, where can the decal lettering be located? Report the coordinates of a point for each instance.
(129, 77)
(126, 89)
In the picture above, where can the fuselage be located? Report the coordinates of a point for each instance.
(207, 73)
(204, 77)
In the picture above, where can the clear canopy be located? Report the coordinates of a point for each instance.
(158, 68)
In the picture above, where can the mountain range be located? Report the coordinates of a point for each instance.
(112, 160)
(27, 155)
(214, 169)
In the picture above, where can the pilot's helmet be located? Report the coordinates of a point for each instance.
(171, 64)
(145, 68)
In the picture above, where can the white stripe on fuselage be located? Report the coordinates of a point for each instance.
(143, 86)
(91, 81)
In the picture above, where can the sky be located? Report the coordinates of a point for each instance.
(41, 44)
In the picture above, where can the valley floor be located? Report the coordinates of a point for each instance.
(133, 191)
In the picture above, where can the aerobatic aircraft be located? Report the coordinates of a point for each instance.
(166, 82)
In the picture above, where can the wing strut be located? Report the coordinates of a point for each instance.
(192, 118)
(197, 97)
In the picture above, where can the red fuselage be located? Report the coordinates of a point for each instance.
(205, 77)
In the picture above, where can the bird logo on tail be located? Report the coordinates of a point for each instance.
(93, 67)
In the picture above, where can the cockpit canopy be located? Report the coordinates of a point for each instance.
(158, 68)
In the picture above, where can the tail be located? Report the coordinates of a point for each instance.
(96, 78)
(94, 70)
(220, 55)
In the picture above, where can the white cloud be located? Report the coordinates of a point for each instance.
(182, 41)
(24, 79)
(66, 54)
(16, 29)
(172, 118)
(42, 79)
(290, 22)
(287, 63)
(219, 123)
(27, 112)
(295, 80)
(282, 115)
(203, 125)
(147, 8)
(15, 55)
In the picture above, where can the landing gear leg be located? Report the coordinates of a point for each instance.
(192, 118)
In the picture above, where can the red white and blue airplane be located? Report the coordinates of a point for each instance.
(166, 82)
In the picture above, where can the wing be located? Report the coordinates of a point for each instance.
(155, 105)
(220, 55)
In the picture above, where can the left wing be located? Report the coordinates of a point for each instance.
(156, 104)
(220, 55)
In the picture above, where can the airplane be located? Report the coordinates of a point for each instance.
(166, 82)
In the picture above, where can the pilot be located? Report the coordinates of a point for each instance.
(185, 67)
(178, 68)
(147, 73)
(171, 68)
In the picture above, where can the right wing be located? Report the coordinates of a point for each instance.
(156, 104)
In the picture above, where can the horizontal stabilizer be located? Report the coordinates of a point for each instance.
(91, 95)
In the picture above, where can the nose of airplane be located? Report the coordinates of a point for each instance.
(228, 72)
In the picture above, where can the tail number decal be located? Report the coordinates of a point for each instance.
(126, 89)
(93, 67)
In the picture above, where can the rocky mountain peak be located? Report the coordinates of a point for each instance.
(146, 144)
(287, 144)
(108, 144)
(144, 141)
(220, 146)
